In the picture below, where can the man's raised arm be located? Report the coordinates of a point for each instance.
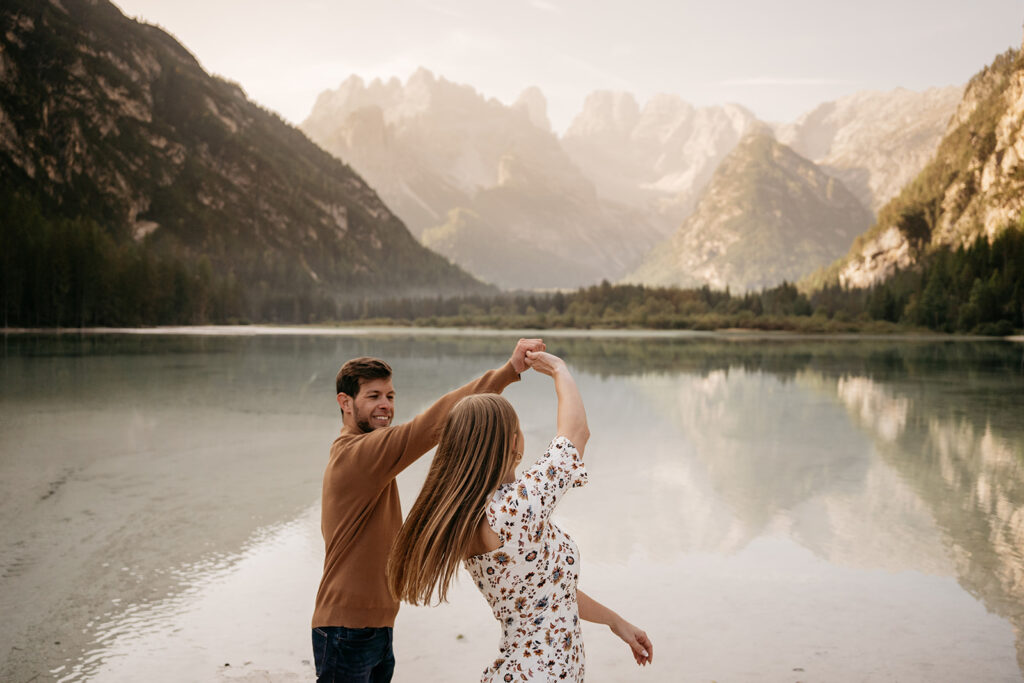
(400, 446)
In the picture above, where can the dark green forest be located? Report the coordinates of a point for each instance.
(73, 272)
(61, 272)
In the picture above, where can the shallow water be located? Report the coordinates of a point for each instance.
(768, 510)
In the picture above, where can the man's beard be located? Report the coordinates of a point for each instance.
(364, 423)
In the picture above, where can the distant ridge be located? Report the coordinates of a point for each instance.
(767, 216)
(875, 142)
(658, 157)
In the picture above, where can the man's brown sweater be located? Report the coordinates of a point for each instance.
(361, 513)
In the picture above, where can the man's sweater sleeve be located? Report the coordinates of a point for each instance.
(395, 448)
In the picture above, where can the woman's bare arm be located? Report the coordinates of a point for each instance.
(639, 643)
(572, 417)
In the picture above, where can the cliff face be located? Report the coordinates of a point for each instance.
(485, 184)
(875, 142)
(768, 215)
(113, 120)
(973, 187)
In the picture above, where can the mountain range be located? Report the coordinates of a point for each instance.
(112, 121)
(483, 182)
(875, 142)
(487, 185)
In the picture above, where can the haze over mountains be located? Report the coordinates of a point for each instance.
(875, 142)
(658, 157)
(485, 183)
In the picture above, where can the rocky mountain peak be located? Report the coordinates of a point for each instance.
(605, 113)
(659, 157)
(478, 181)
(535, 105)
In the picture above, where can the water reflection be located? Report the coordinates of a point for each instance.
(967, 465)
(151, 485)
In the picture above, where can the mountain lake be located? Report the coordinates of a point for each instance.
(767, 508)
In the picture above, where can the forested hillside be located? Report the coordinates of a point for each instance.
(139, 189)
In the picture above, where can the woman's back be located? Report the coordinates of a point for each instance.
(530, 581)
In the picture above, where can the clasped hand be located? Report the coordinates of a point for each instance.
(524, 346)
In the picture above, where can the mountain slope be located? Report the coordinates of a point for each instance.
(973, 187)
(768, 215)
(111, 120)
(875, 142)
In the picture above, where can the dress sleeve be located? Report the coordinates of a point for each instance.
(540, 488)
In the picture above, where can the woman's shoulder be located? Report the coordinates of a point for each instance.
(561, 466)
(562, 451)
(562, 443)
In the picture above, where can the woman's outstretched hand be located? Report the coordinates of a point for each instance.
(639, 643)
(544, 363)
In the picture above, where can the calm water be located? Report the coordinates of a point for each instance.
(768, 510)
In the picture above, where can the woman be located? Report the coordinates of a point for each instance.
(472, 509)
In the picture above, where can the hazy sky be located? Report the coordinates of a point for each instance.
(778, 58)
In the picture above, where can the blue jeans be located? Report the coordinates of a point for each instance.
(353, 655)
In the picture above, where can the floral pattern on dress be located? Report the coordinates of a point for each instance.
(530, 581)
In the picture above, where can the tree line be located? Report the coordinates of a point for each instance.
(72, 272)
(975, 289)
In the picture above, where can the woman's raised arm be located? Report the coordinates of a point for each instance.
(572, 418)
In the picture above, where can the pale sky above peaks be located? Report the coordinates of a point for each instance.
(778, 59)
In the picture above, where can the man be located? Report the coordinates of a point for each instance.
(361, 514)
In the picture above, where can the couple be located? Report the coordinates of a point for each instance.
(472, 510)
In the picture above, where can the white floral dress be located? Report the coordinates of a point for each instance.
(530, 581)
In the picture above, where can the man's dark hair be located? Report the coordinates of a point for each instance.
(353, 373)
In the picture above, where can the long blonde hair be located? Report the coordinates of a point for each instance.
(474, 451)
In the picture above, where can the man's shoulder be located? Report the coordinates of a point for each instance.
(349, 440)
(345, 441)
